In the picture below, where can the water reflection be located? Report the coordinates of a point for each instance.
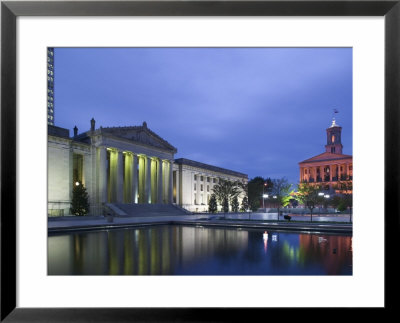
(185, 250)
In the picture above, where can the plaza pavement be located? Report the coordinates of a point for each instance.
(294, 217)
(71, 224)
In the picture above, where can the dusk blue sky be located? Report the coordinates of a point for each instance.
(258, 111)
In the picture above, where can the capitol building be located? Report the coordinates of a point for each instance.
(128, 165)
(330, 167)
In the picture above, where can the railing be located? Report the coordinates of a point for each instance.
(58, 208)
(96, 210)
(62, 208)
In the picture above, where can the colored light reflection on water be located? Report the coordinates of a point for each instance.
(187, 250)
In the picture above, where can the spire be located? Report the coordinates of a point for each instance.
(333, 138)
(334, 124)
(92, 124)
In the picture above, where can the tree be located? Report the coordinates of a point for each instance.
(256, 188)
(212, 204)
(281, 192)
(225, 191)
(337, 202)
(307, 194)
(245, 204)
(225, 205)
(235, 204)
(80, 200)
(345, 189)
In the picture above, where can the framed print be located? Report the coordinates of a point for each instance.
(43, 285)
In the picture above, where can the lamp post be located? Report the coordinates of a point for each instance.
(275, 197)
(265, 196)
(320, 194)
(327, 196)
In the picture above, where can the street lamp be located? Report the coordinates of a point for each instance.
(275, 197)
(320, 194)
(327, 196)
(265, 196)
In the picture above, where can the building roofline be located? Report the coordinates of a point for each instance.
(103, 131)
(57, 131)
(184, 161)
(340, 157)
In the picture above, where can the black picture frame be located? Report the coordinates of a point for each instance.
(10, 10)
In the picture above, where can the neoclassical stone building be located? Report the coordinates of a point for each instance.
(330, 167)
(116, 165)
(125, 165)
(193, 183)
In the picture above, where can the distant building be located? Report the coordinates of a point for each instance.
(193, 183)
(125, 165)
(50, 86)
(330, 167)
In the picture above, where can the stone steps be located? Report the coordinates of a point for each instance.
(148, 210)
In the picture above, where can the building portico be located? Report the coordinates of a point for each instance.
(120, 165)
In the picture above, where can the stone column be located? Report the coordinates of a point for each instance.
(301, 174)
(198, 189)
(102, 173)
(148, 181)
(177, 187)
(134, 179)
(170, 197)
(159, 181)
(330, 172)
(120, 177)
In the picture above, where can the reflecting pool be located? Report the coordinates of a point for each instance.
(196, 250)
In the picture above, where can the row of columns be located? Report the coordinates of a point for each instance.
(142, 179)
(313, 174)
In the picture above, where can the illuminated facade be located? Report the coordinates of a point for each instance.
(128, 165)
(116, 165)
(330, 167)
(50, 86)
(193, 183)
